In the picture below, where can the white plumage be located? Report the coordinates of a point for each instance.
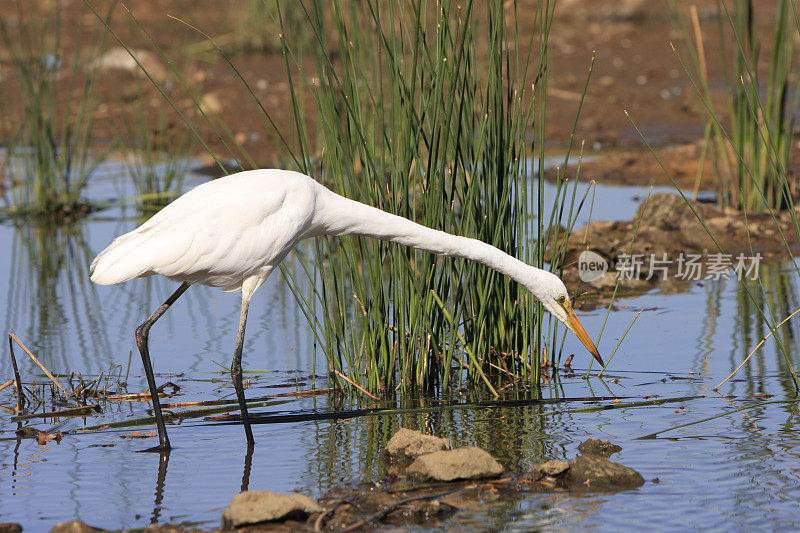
(219, 233)
(233, 231)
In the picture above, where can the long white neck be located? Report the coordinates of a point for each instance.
(337, 215)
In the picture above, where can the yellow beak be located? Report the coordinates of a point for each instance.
(576, 326)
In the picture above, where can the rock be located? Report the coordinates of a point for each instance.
(378, 500)
(411, 443)
(76, 526)
(553, 467)
(252, 507)
(667, 211)
(118, 58)
(461, 463)
(590, 472)
(210, 103)
(10, 527)
(601, 448)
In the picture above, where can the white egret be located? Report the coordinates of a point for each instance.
(232, 232)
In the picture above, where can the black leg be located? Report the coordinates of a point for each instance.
(236, 369)
(142, 333)
(248, 465)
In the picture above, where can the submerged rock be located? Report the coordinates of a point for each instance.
(587, 472)
(411, 443)
(551, 468)
(76, 526)
(170, 528)
(461, 463)
(601, 448)
(592, 472)
(10, 527)
(399, 504)
(252, 507)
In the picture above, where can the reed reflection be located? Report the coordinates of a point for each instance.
(50, 302)
(772, 297)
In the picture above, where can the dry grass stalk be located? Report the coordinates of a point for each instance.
(17, 379)
(72, 411)
(356, 385)
(13, 337)
(768, 335)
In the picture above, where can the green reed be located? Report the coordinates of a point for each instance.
(424, 111)
(750, 155)
(774, 296)
(49, 148)
(157, 153)
(47, 293)
(755, 294)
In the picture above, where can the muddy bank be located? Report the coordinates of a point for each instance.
(640, 167)
(665, 245)
(686, 165)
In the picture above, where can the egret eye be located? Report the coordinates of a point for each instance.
(562, 299)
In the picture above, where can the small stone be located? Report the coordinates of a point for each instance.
(10, 527)
(412, 443)
(553, 467)
(76, 526)
(461, 463)
(252, 507)
(120, 59)
(602, 448)
(605, 281)
(210, 103)
(591, 472)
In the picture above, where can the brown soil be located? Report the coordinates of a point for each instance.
(635, 69)
(640, 167)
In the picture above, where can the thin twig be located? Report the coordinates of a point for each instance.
(474, 360)
(6, 384)
(128, 369)
(13, 337)
(134, 397)
(698, 36)
(504, 370)
(756, 348)
(356, 385)
(383, 512)
(333, 506)
(302, 393)
(600, 374)
(726, 413)
(593, 185)
(72, 411)
(17, 379)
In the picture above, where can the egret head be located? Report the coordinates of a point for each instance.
(550, 290)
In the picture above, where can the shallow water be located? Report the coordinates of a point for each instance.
(736, 472)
